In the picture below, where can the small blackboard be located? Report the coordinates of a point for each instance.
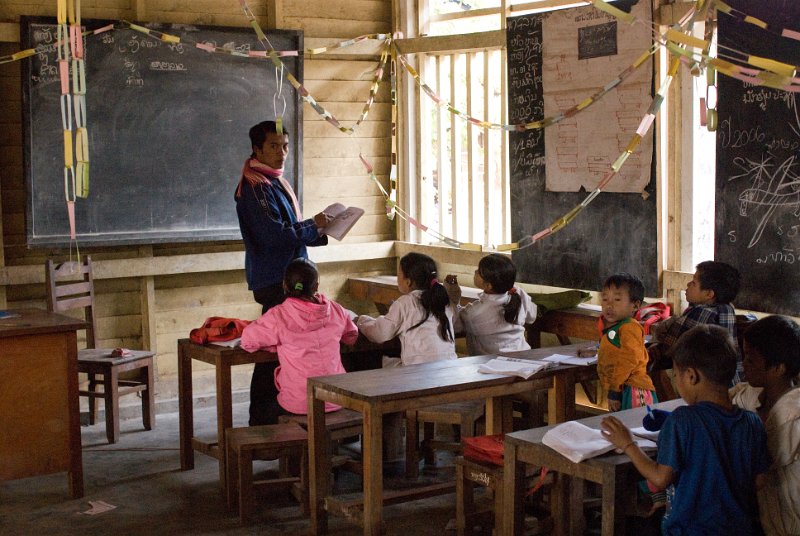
(617, 232)
(758, 165)
(168, 131)
(597, 41)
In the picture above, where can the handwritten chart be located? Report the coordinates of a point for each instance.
(758, 169)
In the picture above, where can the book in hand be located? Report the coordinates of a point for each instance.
(343, 220)
(578, 442)
(510, 366)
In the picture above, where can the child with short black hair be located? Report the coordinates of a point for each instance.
(710, 293)
(422, 318)
(495, 322)
(622, 357)
(712, 453)
(305, 331)
(771, 368)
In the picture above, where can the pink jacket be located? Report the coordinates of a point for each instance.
(306, 336)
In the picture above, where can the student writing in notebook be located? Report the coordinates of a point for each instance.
(421, 317)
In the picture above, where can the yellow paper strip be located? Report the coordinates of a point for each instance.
(140, 28)
(611, 10)
(777, 67)
(689, 40)
(82, 180)
(68, 149)
(633, 144)
(619, 161)
(508, 247)
(641, 59)
(170, 38)
(757, 22)
(583, 104)
(23, 54)
(471, 247)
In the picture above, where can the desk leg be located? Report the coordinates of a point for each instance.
(319, 464)
(372, 454)
(224, 415)
(513, 490)
(75, 473)
(613, 520)
(185, 408)
(562, 405)
(499, 415)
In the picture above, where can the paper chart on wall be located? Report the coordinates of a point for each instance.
(581, 47)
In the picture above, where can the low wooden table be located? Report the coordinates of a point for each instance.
(223, 358)
(579, 322)
(614, 472)
(375, 393)
(39, 414)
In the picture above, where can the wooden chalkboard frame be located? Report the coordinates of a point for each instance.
(616, 233)
(197, 218)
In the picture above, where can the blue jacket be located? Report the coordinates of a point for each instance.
(271, 233)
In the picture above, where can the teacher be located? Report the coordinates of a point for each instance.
(274, 233)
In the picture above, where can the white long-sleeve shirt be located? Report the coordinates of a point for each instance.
(419, 345)
(486, 328)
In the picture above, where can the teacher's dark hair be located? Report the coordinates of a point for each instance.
(258, 133)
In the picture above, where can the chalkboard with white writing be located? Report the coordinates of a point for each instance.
(617, 232)
(168, 131)
(758, 164)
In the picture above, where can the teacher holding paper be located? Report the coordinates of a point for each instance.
(274, 233)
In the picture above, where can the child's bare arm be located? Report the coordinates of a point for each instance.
(616, 432)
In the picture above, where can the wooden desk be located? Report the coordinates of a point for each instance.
(614, 472)
(39, 414)
(375, 393)
(579, 322)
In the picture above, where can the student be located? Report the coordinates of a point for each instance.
(771, 368)
(622, 357)
(496, 321)
(422, 317)
(712, 453)
(305, 330)
(709, 293)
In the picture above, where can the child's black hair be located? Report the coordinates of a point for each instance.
(499, 271)
(722, 278)
(421, 270)
(710, 349)
(301, 279)
(624, 279)
(777, 339)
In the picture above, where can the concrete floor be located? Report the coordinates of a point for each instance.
(141, 476)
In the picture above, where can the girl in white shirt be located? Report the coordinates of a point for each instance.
(422, 317)
(495, 323)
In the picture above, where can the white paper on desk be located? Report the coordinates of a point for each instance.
(571, 359)
(233, 343)
(510, 366)
(645, 433)
(578, 442)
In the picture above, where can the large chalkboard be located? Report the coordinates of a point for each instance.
(617, 232)
(758, 165)
(168, 132)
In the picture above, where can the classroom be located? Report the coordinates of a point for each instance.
(577, 138)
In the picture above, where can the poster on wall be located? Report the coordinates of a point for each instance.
(583, 50)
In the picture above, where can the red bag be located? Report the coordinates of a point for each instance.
(487, 449)
(649, 314)
(218, 328)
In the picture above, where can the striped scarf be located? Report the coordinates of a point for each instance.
(255, 172)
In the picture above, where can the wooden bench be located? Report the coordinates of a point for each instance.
(286, 441)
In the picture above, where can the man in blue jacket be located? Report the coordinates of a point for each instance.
(274, 233)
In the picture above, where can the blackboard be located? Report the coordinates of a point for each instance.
(758, 166)
(598, 40)
(616, 232)
(168, 132)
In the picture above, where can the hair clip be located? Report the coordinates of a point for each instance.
(298, 286)
(512, 290)
(434, 282)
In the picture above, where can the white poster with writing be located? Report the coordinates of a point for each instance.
(584, 49)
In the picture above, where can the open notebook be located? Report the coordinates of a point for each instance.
(510, 366)
(578, 442)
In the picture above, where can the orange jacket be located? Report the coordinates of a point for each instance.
(622, 357)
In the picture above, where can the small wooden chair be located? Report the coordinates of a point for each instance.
(70, 286)
(463, 414)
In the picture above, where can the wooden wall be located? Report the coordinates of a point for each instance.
(149, 296)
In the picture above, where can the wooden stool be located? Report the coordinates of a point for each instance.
(340, 424)
(95, 362)
(463, 414)
(268, 442)
(468, 474)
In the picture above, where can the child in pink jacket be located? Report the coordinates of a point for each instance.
(305, 330)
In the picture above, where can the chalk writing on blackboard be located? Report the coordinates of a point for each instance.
(597, 41)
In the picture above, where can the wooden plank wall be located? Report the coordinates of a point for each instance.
(138, 309)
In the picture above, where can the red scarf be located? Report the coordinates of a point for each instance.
(255, 172)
